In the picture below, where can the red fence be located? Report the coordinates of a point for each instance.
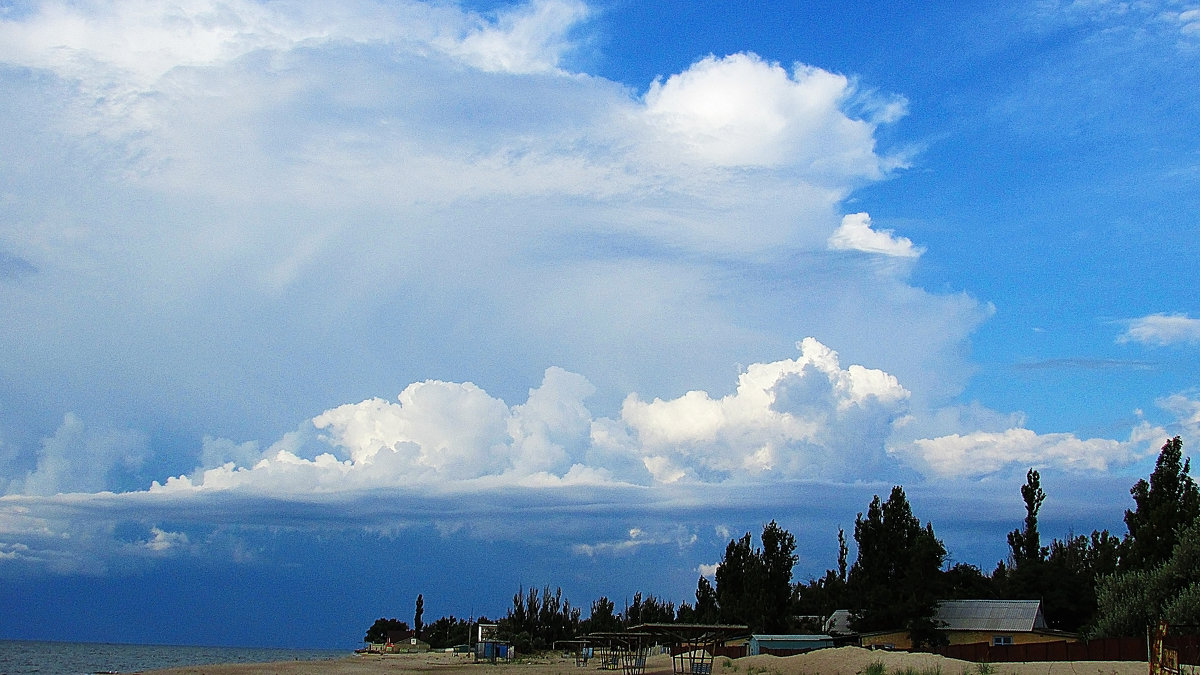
(1107, 649)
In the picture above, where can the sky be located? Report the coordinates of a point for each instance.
(307, 308)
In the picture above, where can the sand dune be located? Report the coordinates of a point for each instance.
(840, 661)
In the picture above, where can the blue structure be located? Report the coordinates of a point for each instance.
(787, 645)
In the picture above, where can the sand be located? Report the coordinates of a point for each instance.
(840, 661)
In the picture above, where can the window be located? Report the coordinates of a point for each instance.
(1001, 640)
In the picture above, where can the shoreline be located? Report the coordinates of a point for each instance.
(833, 661)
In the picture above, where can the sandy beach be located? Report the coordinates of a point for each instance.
(840, 661)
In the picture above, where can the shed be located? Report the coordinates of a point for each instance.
(787, 645)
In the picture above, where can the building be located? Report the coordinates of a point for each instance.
(787, 645)
(995, 622)
(838, 623)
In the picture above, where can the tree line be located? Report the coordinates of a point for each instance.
(1098, 584)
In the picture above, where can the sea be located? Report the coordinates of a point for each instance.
(80, 658)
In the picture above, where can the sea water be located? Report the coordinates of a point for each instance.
(75, 658)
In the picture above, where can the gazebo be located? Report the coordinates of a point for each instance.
(692, 644)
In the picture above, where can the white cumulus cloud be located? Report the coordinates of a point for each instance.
(981, 453)
(855, 234)
(797, 417)
(743, 111)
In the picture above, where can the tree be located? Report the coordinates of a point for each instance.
(754, 586)
(1164, 504)
(706, 602)
(1023, 577)
(378, 632)
(1026, 545)
(1069, 576)
(603, 618)
(1129, 601)
(895, 582)
(417, 623)
(536, 620)
(448, 632)
(822, 597)
(778, 560)
(738, 581)
(648, 609)
(966, 582)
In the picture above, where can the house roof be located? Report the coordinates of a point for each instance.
(839, 623)
(991, 615)
(792, 638)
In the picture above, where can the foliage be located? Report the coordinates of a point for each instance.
(417, 614)
(1062, 575)
(603, 619)
(1130, 601)
(378, 632)
(754, 586)
(1026, 545)
(875, 668)
(448, 632)
(1164, 504)
(821, 597)
(1069, 576)
(895, 582)
(648, 610)
(966, 582)
(536, 620)
(706, 602)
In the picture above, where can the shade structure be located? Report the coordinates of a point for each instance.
(693, 645)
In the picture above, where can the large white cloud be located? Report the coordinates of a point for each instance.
(807, 417)
(231, 215)
(742, 111)
(453, 456)
(798, 417)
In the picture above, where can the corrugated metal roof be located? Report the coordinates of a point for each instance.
(838, 623)
(991, 615)
(791, 638)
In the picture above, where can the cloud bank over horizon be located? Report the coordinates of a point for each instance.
(450, 454)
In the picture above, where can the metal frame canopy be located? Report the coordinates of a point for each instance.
(627, 651)
(696, 642)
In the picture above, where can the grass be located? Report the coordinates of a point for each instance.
(877, 668)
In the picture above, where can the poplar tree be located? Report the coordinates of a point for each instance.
(1168, 502)
(895, 582)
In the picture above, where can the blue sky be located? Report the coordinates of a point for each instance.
(309, 309)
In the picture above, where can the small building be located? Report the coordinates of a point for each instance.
(996, 622)
(838, 623)
(787, 645)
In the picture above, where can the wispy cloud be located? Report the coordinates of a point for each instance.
(1086, 364)
(1161, 330)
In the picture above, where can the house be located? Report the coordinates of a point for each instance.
(838, 623)
(996, 622)
(787, 645)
